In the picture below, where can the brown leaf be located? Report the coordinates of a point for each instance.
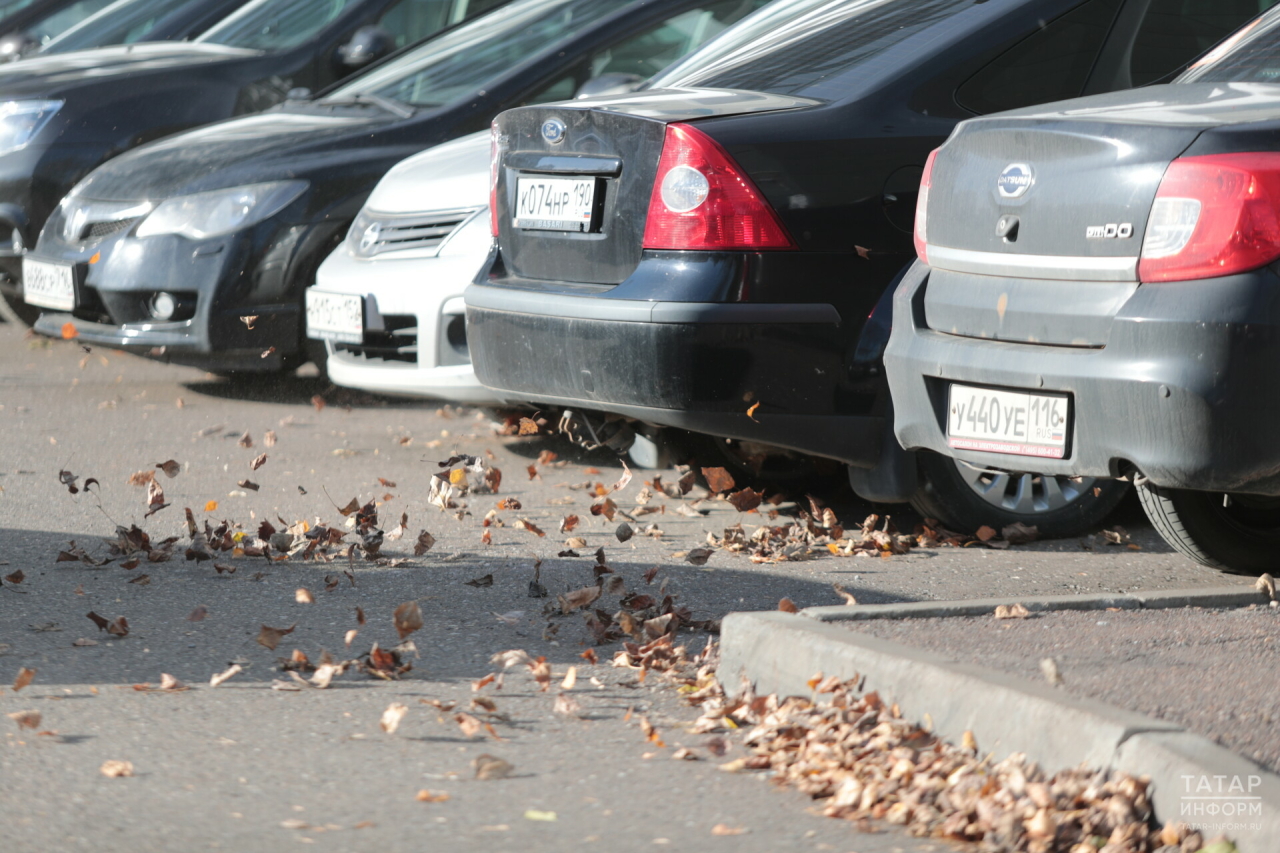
(392, 716)
(471, 726)
(526, 524)
(141, 478)
(408, 618)
(1020, 534)
(541, 670)
(246, 441)
(509, 504)
(220, 567)
(198, 614)
(589, 656)
(718, 480)
(424, 543)
(786, 605)
(1016, 611)
(487, 580)
(318, 402)
(698, 556)
(623, 480)
(751, 412)
(271, 637)
(258, 462)
(360, 620)
(985, 533)
(26, 719)
(171, 684)
(425, 796)
(155, 495)
(118, 627)
(171, 468)
(583, 597)
(16, 578)
(24, 678)
(116, 769)
(98, 620)
(528, 426)
(568, 523)
(605, 507)
(624, 532)
(491, 767)
(725, 829)
(746, 500)
(248, 484)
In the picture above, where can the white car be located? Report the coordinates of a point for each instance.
(388, 301)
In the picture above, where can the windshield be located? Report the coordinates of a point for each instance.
(275, 24)
(1250, 55)
(790, 46)
(458, 62)
(7, 9)
(123, 22)
(56, 23)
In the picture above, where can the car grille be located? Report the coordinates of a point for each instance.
(399, 342)
(418, 231)
(98, 230)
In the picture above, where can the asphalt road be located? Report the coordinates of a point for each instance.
(232, 767)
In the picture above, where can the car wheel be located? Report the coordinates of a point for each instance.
(1232, 533)
(966, 497)
(19, 311)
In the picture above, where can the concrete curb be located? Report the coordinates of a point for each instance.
(1229, 596)
(780, 652)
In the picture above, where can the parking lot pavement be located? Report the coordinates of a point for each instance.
(233, 767)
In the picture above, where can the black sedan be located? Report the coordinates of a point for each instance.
(162, 251)
(716, 254)
(1099, 290)
(63, 115)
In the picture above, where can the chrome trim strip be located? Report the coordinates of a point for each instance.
(1055, 267)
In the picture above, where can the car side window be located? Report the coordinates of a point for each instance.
(410, 20)
(649, 51)
(560, 90)
(1174, 32)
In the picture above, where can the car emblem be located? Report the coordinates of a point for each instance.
(1015, 180)
(369, 238)
(553, 130)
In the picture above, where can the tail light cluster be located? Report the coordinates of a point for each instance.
(922, 206)
(1214, 215)
(703, 200)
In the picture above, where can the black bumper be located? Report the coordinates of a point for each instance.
(1184, 391)
(693, 365)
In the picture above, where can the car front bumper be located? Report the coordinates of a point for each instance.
(428, 289)
(767, 372)
(1184, 390)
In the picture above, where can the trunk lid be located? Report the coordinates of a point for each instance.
(1036, 217)
(614, 143)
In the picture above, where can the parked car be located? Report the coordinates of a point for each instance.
(192, 233)
(63, 115)
(715, 254)
(28, 25)
(1098, 290)
(133, 21)
(388, 300)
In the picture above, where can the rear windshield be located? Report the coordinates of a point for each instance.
(457, 63)
(791, 46)
(276, 24)
(1250, 55)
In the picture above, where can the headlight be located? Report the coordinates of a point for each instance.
(20, 121)
(213, 214)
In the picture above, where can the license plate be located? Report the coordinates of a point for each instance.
(1012, 422)
(555, 204)
(48, 285)
(335, 316)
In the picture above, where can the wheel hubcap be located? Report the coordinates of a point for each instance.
(1023, 493)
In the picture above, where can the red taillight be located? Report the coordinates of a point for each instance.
(922, 207)
(1213, 215)
(702, 200)
(493, 178)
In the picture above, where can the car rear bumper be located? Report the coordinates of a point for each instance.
(701, 366)
(1184, 389)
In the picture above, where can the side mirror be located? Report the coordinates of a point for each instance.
(613, 83)
(366, 45)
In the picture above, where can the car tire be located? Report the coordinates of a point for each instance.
(965, 498)
(15, 310)
(1240, 536)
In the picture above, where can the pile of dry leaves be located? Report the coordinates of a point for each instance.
(864, 763)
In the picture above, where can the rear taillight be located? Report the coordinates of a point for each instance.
(493, 178)
(702, 200)
(1213, 215)
(922, 206)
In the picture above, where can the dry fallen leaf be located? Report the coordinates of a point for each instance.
(848, 597)
(26, 719)
(302, 595)
(1014, 611)
(232, 670)
(392, 716)
(1051, 672)
(269, 438)
(471, 726)
(698, 556)
(718, 480)
(985, 533)
(525, 524)
(786, 605)
(258, 462)
(116, 769)
(271, 637)
(491, 767)
(407, 618)
(567, 706)
(170, 683)
(198, 614)
(23, 679)
(425, 796)
(171, 468)
(1266, 583)
(424, 543)
(725, 829)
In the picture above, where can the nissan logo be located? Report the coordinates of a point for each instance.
(1015, 180)
(553, 130)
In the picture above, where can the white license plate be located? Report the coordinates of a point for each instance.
(335, 316)
(48, 285)
(1013, 422)
(555, 204)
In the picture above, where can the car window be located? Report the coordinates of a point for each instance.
(1052, 64)
(123, 22)
(794, 47)
(1250, 55)
(410, 20)
(7, 9)
(462, 60)
(1174, 32)
(275, 24)
(652, 50)
(62, 20)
